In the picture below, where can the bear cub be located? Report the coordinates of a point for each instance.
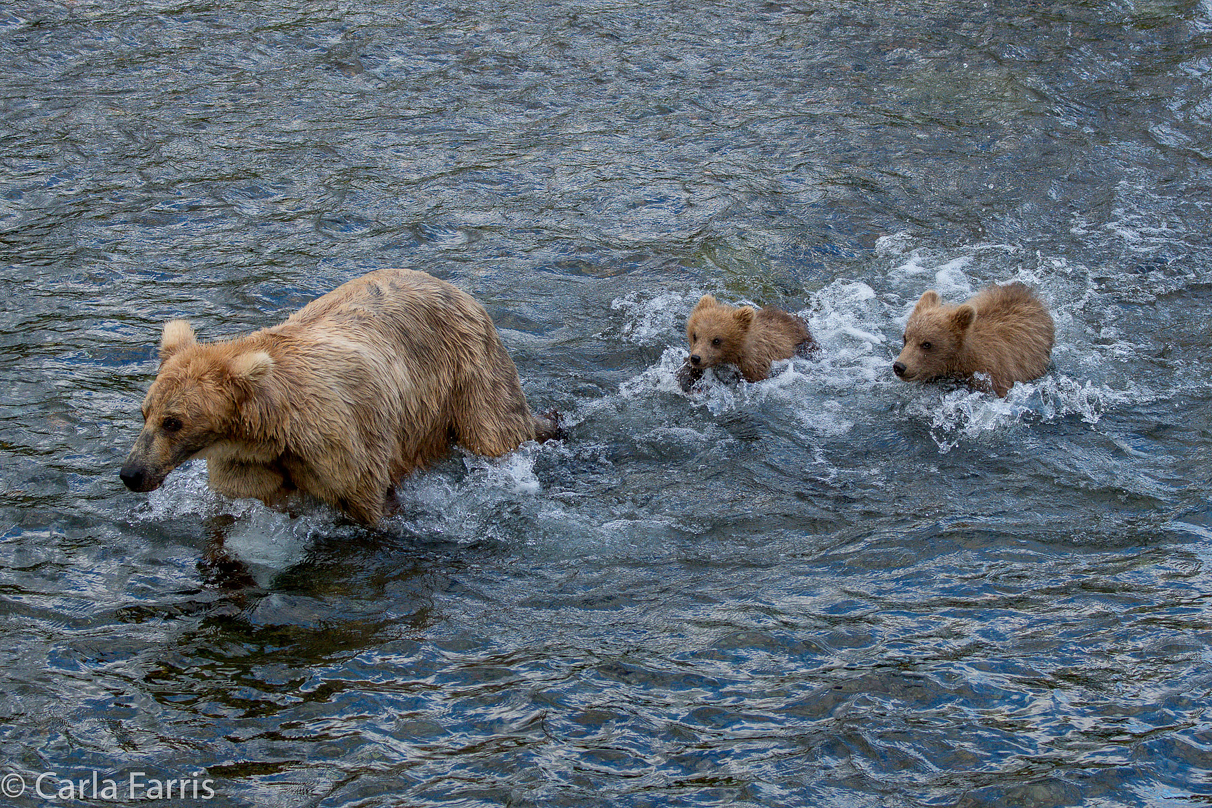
(750, 339)
(349, 394)
(1000, 336)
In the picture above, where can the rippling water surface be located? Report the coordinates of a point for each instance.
(825, 589)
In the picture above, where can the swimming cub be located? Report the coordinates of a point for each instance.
(750, 339)
(1000, 336)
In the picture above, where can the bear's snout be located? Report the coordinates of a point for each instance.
(136, 478)
(695, 359)
(133, 477)
(899, 368)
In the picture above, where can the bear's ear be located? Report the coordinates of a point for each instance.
(250, 368)
(962, 317)
(705, 302)
(928, 300)
(178, 335)
(744, 316)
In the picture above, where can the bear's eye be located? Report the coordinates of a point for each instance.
(927, 345)
(171, 424)
(716, 342)
(694, 337)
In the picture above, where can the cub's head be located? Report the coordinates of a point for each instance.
(192, 404)
(716, 332)
(934, 336)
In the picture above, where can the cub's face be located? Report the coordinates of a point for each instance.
(716, 332)
(925, 353)
(933, 338)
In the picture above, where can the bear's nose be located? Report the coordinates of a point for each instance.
(132, 477)
(898, 368)
(695, 359)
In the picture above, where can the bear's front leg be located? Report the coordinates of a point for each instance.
(268, 483)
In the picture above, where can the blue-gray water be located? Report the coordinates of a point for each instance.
(826, 589)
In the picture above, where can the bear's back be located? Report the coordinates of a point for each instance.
(1012, 336)
(774, 335)
(416, 328)
(393, 299)
(788, 329)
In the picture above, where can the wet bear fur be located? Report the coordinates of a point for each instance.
(349, 394)
(1002, 335)
(750, 339)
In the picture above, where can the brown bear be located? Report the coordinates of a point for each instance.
(348, 395)
(751, 340)
(1002, 335)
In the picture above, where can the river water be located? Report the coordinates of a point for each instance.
(829, 588)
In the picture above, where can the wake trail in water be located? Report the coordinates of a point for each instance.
(857, 324)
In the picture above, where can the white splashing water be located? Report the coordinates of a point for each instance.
(267, 540)
(651, 320)
(962, 414)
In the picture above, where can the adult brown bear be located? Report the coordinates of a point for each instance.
(348, 395)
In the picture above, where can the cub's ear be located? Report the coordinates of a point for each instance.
(744, 316)
(961, 319)
(928, 300)
(705, 302)
(250, 368)
(178, 335)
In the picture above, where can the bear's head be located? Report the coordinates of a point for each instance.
(716, 332)
(934, 337)
(192, 404)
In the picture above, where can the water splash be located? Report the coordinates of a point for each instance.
(185, 494)
(653, 320)
(967, 415)
(265, 540)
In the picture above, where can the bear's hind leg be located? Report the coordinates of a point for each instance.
(489, 410)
